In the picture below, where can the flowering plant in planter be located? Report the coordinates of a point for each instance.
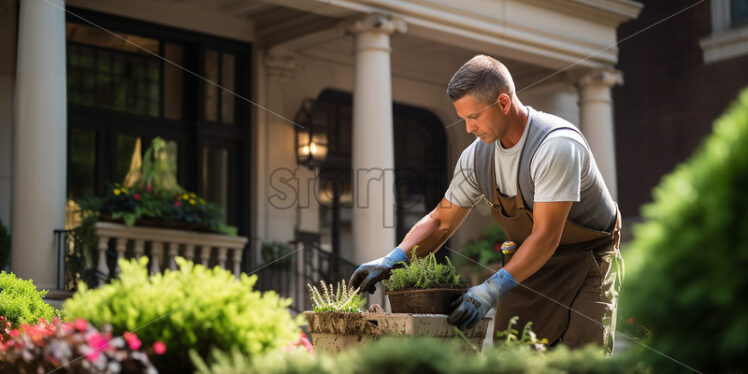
(75, 347)
(156, 199)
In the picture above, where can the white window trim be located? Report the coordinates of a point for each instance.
(725, 42)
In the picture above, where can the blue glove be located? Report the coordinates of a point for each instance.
(475, 303)
(368, 274)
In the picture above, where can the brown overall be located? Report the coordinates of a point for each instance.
(573, 298)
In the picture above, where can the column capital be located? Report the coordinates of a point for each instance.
(601, 77)
(376, 22)
(280, 65)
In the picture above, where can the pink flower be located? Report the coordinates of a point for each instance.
(497, 247)
(132, 340)
(136, 197)
(159, 347)
(81, 324)
(149, 189)
(177, 203)
(97, 344)
(303, 342)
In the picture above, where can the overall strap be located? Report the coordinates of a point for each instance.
(484, 155)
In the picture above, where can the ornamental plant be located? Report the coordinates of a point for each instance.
(335, 299)
(483, 250)
(192, 308)
(424, 273)
(20, 302)
(687, 280)
(74, 347)
(154, 198)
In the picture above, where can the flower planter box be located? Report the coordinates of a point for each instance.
(429, 301)
(334, 332)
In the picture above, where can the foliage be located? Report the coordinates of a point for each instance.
(20, 302)
(690, 255)
(190, 308)
(276, 254)
(396, 355)
(76, 346)
(345, 299)
(511, 338)
(155, 199)
(4, 247)
(485, 249)
(424, 273)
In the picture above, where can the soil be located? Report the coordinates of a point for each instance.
(431, 301)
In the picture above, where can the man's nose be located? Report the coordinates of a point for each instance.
(469, 126)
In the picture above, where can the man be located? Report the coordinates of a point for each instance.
(537, 173)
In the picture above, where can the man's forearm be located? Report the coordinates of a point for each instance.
(428, 233)
(531, 256)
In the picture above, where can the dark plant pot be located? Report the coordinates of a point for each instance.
(431, 301)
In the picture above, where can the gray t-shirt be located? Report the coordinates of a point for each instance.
(562, 166)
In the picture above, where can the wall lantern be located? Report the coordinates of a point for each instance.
(311, 140)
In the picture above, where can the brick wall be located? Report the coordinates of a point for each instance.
(670, 97)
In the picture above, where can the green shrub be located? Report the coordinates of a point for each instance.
(687, 263)
(191, 308)
(20, 302)
(424, 273)
(275, 362)
(405, 355)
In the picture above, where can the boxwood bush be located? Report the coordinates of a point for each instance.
(20, 302)
(193, 308)
(405, 355)
(687, 263)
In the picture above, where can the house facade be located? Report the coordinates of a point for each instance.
(296, 116)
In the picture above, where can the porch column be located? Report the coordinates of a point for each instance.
(282, 193)
(373, 156)
(39, 141)
(596, 119)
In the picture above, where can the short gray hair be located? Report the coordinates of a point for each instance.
(482, 76)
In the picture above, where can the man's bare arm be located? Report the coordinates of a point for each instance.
(549, 220)
(435, 228)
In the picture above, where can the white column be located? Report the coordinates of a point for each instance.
(596, 119)
(373, 157)
(39, 141)
(281, 190)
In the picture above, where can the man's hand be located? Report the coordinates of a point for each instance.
(368, 274)
(475, 303)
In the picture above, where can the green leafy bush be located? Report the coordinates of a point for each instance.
(687, 277)
(344, 299)
(20, 302)
(401, 355)
(424, 273)
(191, 308)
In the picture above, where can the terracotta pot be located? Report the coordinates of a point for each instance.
(431, 301)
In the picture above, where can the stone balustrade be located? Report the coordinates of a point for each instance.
(195, 246)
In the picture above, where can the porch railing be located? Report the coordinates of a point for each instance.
(286, 273)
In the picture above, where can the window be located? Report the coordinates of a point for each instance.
(729, 36)
(738, 12)
(121, 95)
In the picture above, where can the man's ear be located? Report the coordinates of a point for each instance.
(504, 102)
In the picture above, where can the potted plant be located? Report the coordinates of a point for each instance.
(424, 286)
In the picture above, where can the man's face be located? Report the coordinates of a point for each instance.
(487, 121)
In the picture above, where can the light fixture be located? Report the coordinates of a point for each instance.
(311, 136)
